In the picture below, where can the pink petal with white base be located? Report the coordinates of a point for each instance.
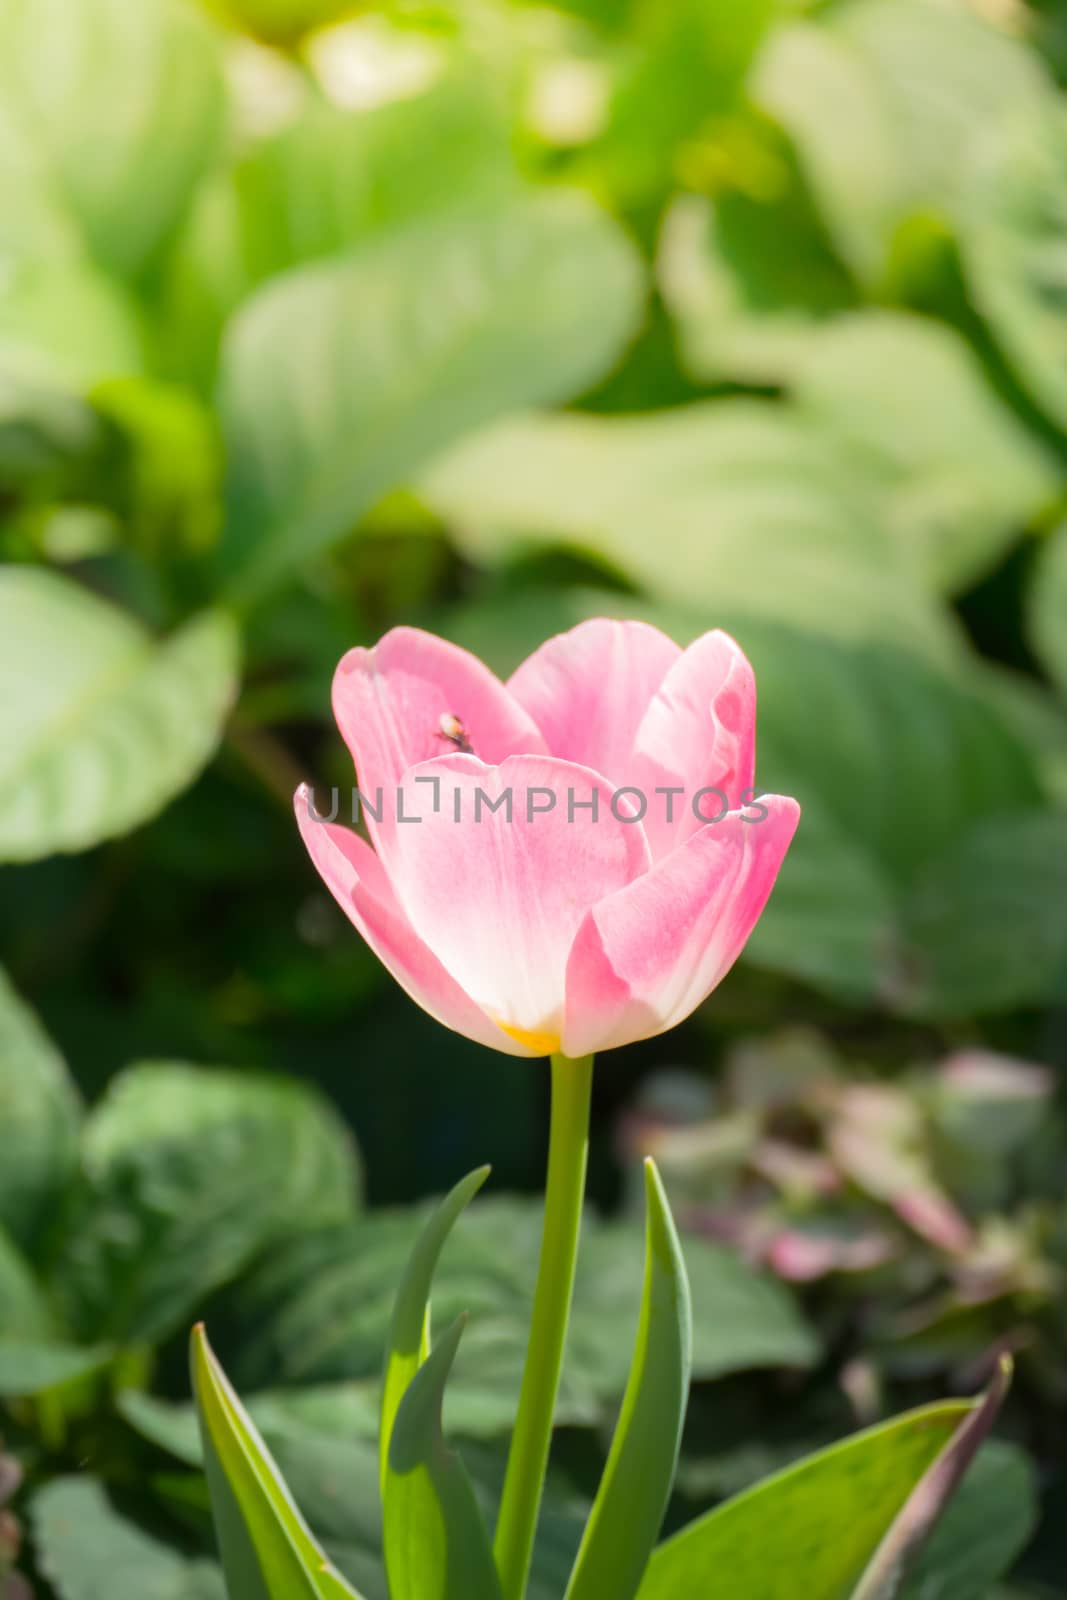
(358, 882)
(646, 957)
(588, 689)
(499, 899)
(699, 732)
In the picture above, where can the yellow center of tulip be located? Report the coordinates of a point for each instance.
(542, 1044)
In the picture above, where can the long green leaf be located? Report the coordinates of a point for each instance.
(436, 1545)
(636, 1485)
(409, 1331)
(812, 1529)
(894, 1556)
(267, 1550)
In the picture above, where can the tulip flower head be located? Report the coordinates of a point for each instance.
(565, 862)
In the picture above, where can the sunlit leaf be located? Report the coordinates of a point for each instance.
(100, 724)
(267, 1551)
(436, 1544)
(763, 513)
(138, 86)
(408, 1344)
(923, 1508)
(960, 476)
(526, 304)
(811, 1529)
(633, 1494)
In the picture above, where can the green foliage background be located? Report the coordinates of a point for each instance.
(489, 317)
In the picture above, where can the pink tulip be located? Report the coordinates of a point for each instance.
(590, 908)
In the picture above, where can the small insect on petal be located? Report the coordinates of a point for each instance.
(451, 729)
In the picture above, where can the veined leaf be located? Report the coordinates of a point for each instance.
(409, 1330)
(636, 1485)
(267, 1550)
(527, 304)
(126, 107)
(204, 1169)
(809, 1530)
(436, 1544)
(100, 725)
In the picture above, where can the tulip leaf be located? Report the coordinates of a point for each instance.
(636, 1485)
(528, 303)
(100, 724)
(811, 1529)
(267, 1550)
(915, 1521)
(436, 1544)
(409, 1331)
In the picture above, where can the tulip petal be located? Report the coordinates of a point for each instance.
(358, 882)
(699, 732)
(498, 895)
(588, 689)
(646, 956)
(394, 703)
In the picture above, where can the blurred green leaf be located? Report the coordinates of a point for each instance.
(1048, 608)
(436, 1544)
(268, 1553)
(101, 724)
(812, 1528)
(685, 65)
(984, 925)
(949, 76)
(143, 84)
(24, 1313)
(761, 511)
(636, 1486)
(524, 305)
(325, 184)
(88, 1550)
(39, 1113)
(31, 1367)
(408, 1343)
(321, 1315)
(827, 98)
(961, 476)
(1013, 229)
(744, 308)
(188, 1173)
(169, 468)
(66, 325)
(886, 101)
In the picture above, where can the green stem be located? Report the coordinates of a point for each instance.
(528, 1457)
